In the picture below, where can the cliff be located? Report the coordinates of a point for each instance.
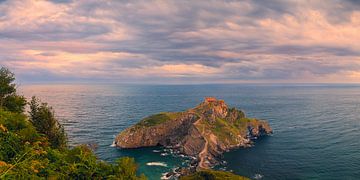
(204, 132)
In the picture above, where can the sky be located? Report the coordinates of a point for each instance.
(259, 41)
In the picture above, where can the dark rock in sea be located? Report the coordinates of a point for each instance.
(204, 132)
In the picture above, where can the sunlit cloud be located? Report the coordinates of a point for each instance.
(181, 41)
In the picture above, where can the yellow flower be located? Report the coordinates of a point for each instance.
(35, 165)
(3, 128)
(2, 163)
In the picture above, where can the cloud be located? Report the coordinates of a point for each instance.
(182, 41)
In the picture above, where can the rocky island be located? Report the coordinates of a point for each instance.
(203, 132)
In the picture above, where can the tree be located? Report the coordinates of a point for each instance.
(34, 146)
(15, 103)
(42, 117)
(7, 86)
(9, 100)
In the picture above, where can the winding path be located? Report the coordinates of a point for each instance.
(204, 152)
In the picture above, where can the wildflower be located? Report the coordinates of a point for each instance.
(2, 163)
(3, 128)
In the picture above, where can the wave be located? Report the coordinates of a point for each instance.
(113, 144)
(156, 164)
(258, 176)
(164, 176)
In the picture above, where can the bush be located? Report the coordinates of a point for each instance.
(213, 175)
(26, 153)
(15, 103)
(42, 117)
(36, 149)
(9, 100)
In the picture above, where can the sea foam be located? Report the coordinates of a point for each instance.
(113, 144)
(156, 164)
(258, 176)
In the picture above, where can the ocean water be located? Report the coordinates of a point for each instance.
(316, 127)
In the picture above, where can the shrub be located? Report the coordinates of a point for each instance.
(9, 100)
(42, 117)
(36, 149)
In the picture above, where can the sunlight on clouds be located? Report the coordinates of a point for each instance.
(27, 14)
(59, 61)
(171, 71)
(46, 20)
(183, 69)
(235, 41)
(355, 75)
(312, 28)
(77, 57)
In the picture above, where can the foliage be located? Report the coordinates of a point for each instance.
(9, 100)
(213, 175)
(26, 153)
(6, 83)
(35, 147)
(42, 117)
(228, 129)
(225, 130)
(238, 114)
(15, 103)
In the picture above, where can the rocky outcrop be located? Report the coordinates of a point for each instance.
(166, 133)
(204, 132)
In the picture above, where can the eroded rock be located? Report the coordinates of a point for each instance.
(204, 132)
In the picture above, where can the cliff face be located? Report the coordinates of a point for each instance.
(205, 131)
(165, 133)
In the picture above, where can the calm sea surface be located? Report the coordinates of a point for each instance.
(316, 127)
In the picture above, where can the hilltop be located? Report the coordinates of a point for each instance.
(204, 132)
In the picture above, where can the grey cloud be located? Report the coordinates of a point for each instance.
(55, 31)
(308, 50)
(288, 71)
(47, 54)
(156, 25)
(61, 1)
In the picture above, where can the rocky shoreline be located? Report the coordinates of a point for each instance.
(204, 133)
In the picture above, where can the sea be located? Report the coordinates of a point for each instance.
(316, 126)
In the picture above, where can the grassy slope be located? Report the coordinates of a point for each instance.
(227, 131)
(213, 175)
(158, 119)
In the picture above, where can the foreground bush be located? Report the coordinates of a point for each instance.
(27, 154)
(9, 100)
(213, 175)
(35, 147)
(43, 118)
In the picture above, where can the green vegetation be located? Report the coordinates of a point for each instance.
(228, 129)
(243, 123)
(35, 147)
(213, 175)
(9, 100)
(238, 113)
(158, 119)
(42, 117)
(225, 130)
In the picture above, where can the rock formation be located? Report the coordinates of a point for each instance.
(204, 132)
